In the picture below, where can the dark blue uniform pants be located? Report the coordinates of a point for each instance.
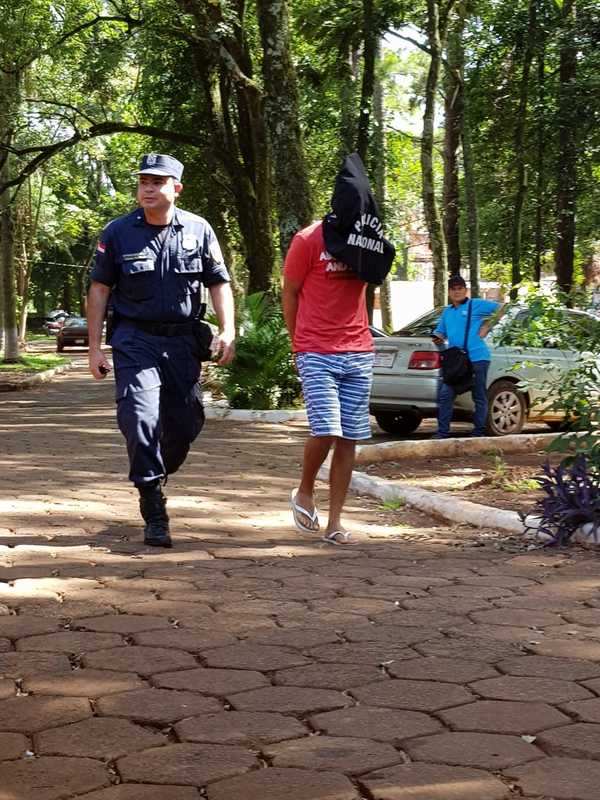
(159, 403)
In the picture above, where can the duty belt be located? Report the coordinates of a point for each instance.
(163, 328)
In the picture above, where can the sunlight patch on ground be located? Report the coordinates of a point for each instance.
(25, 507)
(440, 482)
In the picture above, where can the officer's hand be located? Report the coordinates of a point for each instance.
(223, 347)
(99, 366)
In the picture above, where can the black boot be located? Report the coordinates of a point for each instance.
(153, 508)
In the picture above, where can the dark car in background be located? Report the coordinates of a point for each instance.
(74, 333)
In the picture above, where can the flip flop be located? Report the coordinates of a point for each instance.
(338, 537)
(297, 510)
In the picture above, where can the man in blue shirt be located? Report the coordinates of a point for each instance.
(152, 264)
(451, 329)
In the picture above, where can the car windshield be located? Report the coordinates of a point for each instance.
(75, 322)
(422, 326)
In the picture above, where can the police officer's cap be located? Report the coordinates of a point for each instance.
(160, 164)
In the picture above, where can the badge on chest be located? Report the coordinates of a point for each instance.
(189, 242)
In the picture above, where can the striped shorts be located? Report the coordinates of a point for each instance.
(336, 388)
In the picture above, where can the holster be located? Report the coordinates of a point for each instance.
(204, 336)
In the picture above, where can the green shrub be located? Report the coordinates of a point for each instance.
(576, 391)
(262, 374)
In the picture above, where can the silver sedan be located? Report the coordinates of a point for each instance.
(406, 378)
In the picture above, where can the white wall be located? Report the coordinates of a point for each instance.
(411, 299)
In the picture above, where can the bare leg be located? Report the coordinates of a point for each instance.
(315, 453)
(339, 480)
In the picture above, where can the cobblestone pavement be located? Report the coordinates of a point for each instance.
(250, 664)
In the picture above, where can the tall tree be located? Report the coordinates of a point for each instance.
(471, 203)
(225, 69)
(370, 43)
(453, 125)
(437, 15)
(540, 157)
(9, 91)
(294, 203)
(520, 155)
(380, 181)
(566, 121)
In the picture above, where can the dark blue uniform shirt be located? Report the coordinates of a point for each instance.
(156, 273)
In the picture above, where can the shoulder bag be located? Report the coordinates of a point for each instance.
(457, 370)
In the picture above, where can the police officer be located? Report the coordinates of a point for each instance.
(152, 264)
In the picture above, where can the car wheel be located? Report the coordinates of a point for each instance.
(506, 409)
(398, 422)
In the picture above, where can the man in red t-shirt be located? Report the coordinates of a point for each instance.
(326, 316)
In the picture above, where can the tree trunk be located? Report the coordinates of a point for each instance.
(254, 204)
(379, 171)
(402, 269)
(370, 43)
(24, 293)
(247, 163)
(347, 99)
(9, 86)
(239, 136)
(27, 220)
(540, 167)
(472, 216)
(11, 344)
(283, 119)
(432, 217)
(519, 150)
(566, 197)
(453, 107)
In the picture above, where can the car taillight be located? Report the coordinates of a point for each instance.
(424, 359)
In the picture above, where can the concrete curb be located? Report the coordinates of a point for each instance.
(33, 380)
(388, 451)
(251, 415)
(451, 508)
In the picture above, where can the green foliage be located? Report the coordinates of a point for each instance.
(496, 38)
(394, 505)
(543, 321)
(262, 375)
(29, 363)
(575, 391)
(159, 64)
(501, 477)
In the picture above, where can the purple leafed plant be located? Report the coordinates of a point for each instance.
(572, 499)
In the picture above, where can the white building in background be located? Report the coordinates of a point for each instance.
(411, 299)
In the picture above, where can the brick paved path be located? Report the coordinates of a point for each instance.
(249, 664)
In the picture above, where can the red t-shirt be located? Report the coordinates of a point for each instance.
(332, 315)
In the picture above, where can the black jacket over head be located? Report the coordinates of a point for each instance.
(353, 232)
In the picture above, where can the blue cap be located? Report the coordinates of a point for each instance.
(160, 164)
